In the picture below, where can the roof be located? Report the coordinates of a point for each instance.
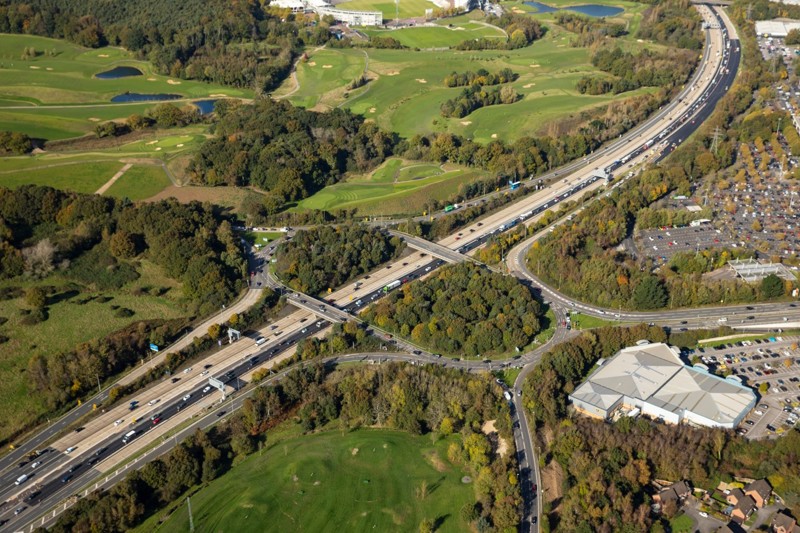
(711, 397)
(655, 374)
(747, 505)
(775, 27)
(761, 486)
(738, 494)
(783, 520)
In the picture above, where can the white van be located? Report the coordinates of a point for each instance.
(21, 479)
(260, 341)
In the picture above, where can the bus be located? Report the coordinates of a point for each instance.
(513, 185)
(393, 285)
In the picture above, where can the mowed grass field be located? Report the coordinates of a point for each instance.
(406, 8)
(69, 323)
(407, 89)
(139, 183)
(396, 188)
(448, 32)
(56, 94)
(364, 481)
(84, 177)
(321, 78)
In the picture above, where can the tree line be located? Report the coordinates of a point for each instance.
(461, 309)
(481, 77)
(475, 97)
(522, 31)
(674, 23)
(418, 400)
(327, 257)
(181, 39)
(588, 29)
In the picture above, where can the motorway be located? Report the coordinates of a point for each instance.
(672, 124)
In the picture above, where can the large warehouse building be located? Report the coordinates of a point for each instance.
(653, 379)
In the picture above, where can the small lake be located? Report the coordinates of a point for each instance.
(119, 72)
(592, 10)
(140, 97)
(205, 106)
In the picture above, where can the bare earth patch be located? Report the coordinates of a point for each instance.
(436, 461)
(393, 73)
(490, 430)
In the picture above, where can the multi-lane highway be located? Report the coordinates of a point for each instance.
(173, 400)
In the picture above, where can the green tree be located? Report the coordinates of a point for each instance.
(650, 294)
(36, 297)
(772, 286)
(792, 37)
(123, 245)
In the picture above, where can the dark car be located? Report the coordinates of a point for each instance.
(66, 478)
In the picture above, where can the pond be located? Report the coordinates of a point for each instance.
(205, 106)
(141, 97)
(119, 72)
(592, 10)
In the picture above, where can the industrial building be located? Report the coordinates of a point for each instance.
(322, 8)
(775, 28)
(651, 378)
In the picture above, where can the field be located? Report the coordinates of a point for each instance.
(55, 95)
(140, 182)
(69, 323)
(405, 8)
(84, 177)
(448, 32)
(406, 89)
(396, 187)
(366, 481)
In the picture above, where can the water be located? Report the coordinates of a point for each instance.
(119, 72)
(139, 97)
(592, 10)
(205, 106)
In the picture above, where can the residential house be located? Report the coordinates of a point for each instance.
(784, 523)
(676, 492)
(760, 491)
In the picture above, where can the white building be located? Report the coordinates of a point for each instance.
(775, 28)
(653, 379)
(353, 18)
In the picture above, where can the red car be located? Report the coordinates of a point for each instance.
(156, 421)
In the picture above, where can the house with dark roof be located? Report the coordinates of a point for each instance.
(744, 508)
(782, 522)
(676, 492)
(734, 496)
(760, 490)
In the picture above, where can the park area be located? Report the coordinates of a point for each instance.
(365, 480)
(52, 92)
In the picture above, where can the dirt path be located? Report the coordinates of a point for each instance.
(113, 179)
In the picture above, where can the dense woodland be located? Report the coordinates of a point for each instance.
(193, 39)
(286, 150)
(589, 30)
(95, 243)
(607, 468)
(418, 400)
(479, 77)
(674, 23)
(326, 257)
(461, 309)
(670, 68)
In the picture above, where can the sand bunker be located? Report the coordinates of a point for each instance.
(422, 81)
(312, 63)
(393, 73)
(179, 145)
(494, 136)
(49, 68)
(534, 66)
(151, 142)
(94, 119)
(327, 66)
(466, 122)
(371, 109)
(158, 149)
(173, 82)
(220, 95)
(151, 79)
(354, 451)
(35, 68)
(102, 55)
(528, 85)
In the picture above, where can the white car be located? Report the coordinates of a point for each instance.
(37, 463)
(703, 514)
(185, 398)
(758, 412)
(118, 422)
(187, 370)
(205, 390)
(70, 449)
(204, 373)
(153, 402)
